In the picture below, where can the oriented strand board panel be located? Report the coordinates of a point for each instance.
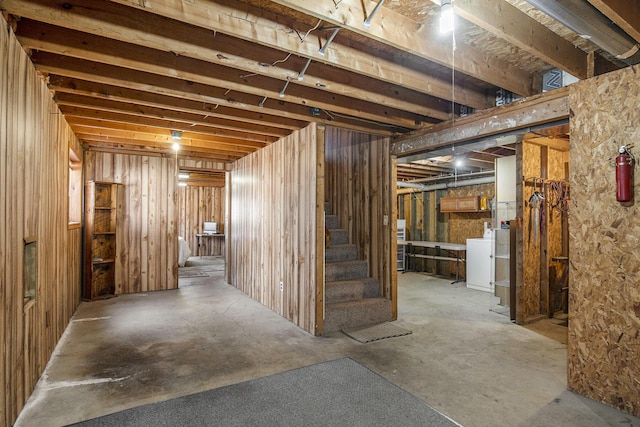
(604, 304)
(273, 234)
(34, 160)
(195, 206)
(148, 232)
(359, 189)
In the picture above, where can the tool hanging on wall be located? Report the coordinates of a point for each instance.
(535, 203)
(558, 195)
(624, 175)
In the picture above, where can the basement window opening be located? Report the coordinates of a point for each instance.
(75, 190)
(30, 269)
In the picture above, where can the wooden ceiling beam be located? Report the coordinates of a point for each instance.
(259, 26)
(139, 98)
(145, 150)
(70, 43)
(76, 104)
(162, 85)
(152, 134)
(544, 108)
(198, 43)
(509, 23)
(114, 120)
(422, 40)
(103, 139)
(625, 14)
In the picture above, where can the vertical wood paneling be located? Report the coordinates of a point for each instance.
(272, 232)
(604, 303)
(358, 176)
(195, 206)
(34, 159)
(147, 246)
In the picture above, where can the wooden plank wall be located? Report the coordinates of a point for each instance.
(34, 159)
(360, 190)
(604, 304)
(273, 233)
(547, 163)
(147, 235)
(195, 206)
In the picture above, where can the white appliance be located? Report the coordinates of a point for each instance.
(479, 264)
(210, 227)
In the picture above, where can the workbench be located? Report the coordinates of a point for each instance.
(199, 236)
(453, 251)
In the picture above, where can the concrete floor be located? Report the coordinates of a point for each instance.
(468, 362)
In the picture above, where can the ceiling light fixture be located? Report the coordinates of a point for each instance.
(446, 17)
(183, 175)
(182, 184)
(176, 135)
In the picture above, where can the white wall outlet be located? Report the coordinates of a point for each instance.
(385, 220)
(281, 286)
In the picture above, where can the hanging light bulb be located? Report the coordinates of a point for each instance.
(176, 135)
(446, 16)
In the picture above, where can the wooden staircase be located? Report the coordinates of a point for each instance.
(352, 298)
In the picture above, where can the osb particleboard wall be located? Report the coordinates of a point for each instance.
(467, 225)
(34, 160)
(148, 232)
(544, 163)
(604, 325)
(276, 232)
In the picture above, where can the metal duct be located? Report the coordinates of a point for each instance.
(445, 185)
(581, 17)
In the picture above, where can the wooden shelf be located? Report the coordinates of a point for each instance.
(101, 225)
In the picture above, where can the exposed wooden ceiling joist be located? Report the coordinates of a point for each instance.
(421, 40)
(136, 70)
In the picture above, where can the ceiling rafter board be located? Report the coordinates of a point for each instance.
(242, 20)
(45, 36)
(102, 73)
(509, 23)
(417, 39)
(152, 151)
(83, 116)
(93, 92)
(109, 20)
(150, 61)
(84, 130)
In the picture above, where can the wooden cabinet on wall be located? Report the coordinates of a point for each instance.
(101, 218)
(460, 204)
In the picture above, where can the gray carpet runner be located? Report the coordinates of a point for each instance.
(336, 393)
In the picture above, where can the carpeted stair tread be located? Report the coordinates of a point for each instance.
(338, 236)
(345, 252)
(346, 270)
(351, 290)
(351, 314)
(331, 221)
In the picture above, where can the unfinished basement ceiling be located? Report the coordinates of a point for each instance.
(234, 76)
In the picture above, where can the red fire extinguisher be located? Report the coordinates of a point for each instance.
(624, 175)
